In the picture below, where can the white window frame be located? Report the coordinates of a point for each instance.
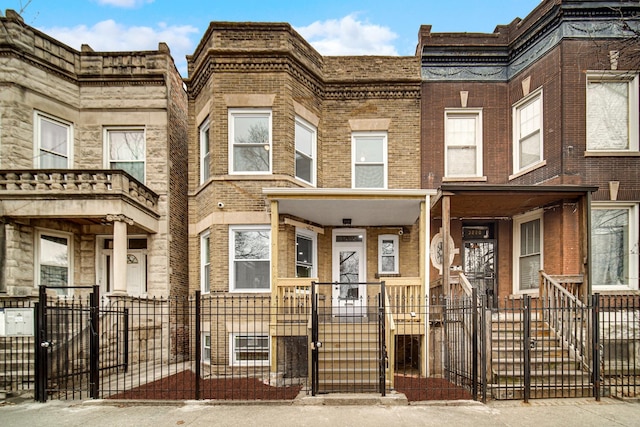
(517, 122)
(205, 262)
(355, 163)
(476, 114)
(238, 112)
(233, 360)
(634, 114)
(38, 118)
(232, 232)
(70, 270)
(633, 239)
(517, 222)
(206, 349)
(300, 122)
(107, 151)
(313, 236)
(205, 157)
(396, 253)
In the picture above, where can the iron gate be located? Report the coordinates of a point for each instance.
(67, 345)
(348, 345)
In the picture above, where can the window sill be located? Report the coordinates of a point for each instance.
(464, 179)
(249, 291)
(615, 292)
(382, 275)
(528, 169)
(612, 153)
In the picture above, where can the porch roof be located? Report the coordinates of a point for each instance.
(329, 206)
(491, 201)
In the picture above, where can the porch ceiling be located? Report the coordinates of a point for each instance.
(328, 207)
(479, 201)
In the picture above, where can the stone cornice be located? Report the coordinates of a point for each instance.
(157, 79)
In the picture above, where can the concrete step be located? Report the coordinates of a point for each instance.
(537, 364)
(542, 376)
(546, 392)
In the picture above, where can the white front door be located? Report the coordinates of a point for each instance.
(136, 270)
(349, 270)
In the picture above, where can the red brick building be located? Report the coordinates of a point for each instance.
(530, 134)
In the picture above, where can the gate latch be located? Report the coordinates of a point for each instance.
(315, 345)
(532, 344)
(46, 344)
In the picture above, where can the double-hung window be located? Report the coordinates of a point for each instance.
(53, 142)
(206, 347)
(54, 261)
(388, 254)
(369, 158)
(612, 112)
(306, 253)
(205, 153)
(249, 141)
(126, 150)
(305, 151)
(614, 245)
(250, 255)
(527, 129)
(463, 143)
(528, 251)
(205, 262)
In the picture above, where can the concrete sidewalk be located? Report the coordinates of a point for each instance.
(565, 412)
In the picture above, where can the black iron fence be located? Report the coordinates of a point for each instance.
(17, 360)
(221, 346)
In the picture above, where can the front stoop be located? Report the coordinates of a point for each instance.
(555, 371)
(353, 399)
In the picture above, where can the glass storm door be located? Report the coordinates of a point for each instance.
(479, 265)
(349, 294)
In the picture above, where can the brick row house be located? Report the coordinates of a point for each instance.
(530, 135)
(308, 170)
(277, 174)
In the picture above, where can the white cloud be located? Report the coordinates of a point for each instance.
(124, 3)
(349, 36)
(110, 36)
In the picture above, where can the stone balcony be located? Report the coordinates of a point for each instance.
(69, 193)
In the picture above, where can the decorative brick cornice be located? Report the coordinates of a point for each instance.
(272, 62)
(503, 57)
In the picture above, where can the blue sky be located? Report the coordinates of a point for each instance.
(333, 27)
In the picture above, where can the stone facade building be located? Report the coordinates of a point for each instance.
(93, 168)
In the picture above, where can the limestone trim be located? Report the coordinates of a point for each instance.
(119, 217)
(242, 100)
(360, 125)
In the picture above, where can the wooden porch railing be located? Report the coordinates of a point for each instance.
(405, 297)
(293, 297)
(390, 341)
(565, 313)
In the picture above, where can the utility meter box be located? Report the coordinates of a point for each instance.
(16, 322)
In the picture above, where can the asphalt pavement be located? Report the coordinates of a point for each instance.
(335, 412)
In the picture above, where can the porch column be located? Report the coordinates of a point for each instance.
(119, 258)
(446, 250)
(274, 287)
